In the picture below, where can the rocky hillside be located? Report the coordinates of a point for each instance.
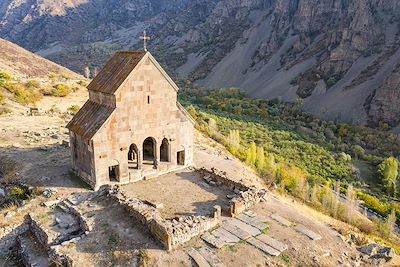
(23, 64)
(340, 56)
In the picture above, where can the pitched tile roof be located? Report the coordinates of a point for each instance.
(89, 119)
(115, 72)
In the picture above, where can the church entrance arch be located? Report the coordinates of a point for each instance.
(149, 150)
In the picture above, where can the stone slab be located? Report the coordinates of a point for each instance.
(281, 220)
(198, 258)
(310, 234)
(252, 221)
(244, 226)
(213, 240)
(225, 235)
(250, 213)
(235, 231)
(211, 257)
(278, 245)
(263, 247)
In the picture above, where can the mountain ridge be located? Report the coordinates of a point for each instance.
(340, 57)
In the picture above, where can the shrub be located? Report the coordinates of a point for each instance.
(74, 108)
(18, 193)
(4, 110)
(32, 84)
(5, 76)
(61, 90)
(2, 98)
(83, 83)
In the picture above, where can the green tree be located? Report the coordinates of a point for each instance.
(251, 154)
(388, 170)
(260, 158)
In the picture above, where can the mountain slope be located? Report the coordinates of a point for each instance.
(22, 63)
(339, 56)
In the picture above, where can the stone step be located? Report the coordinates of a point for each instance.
(213, 240)
(198, 258)
(244, 226)
(235, 230)
(280, 220)
(211, 257)
(254, 221)
(281, 247)
(307, 232)
(263, 247)
(32, 253)
(225, 235)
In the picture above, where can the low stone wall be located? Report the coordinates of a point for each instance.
(220, 178)
(244, 196)
(245, 200)
(59, 259)
(185, 228)
(41, 235)
(83, 221)
(8, 236)
(170, 233)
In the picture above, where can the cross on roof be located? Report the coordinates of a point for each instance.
(145, 38)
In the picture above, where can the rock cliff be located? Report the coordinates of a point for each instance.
(340, 56)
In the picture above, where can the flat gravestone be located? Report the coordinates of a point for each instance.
(280, 220)
(244, 226)
(235, 230)
(263, 247)
(310, 234)
(281, 247)
(213, 240)
(211, 257)
(198, 258)
(252, 221)
(225, 235)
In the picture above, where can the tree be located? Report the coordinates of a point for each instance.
(358, 151)
(260, 158)
(234, 138)
(388, 169)
(87, 72)
(251, 154)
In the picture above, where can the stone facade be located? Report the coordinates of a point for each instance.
(144, 130)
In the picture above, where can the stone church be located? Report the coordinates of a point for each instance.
(132, 126)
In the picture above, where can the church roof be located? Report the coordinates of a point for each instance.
(115, 72)
(89, 119)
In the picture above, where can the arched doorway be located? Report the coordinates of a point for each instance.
(133, 157)
(164, 150)
(149, 151)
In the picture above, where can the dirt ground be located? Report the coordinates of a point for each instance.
(36, 142)
(195, 196)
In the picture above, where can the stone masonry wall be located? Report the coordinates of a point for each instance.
(169, 232)
(245, 196)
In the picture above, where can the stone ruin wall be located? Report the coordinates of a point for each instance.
(8, 237)
(169, 232)
(245, 196)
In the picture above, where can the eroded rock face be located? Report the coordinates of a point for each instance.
(383, 105)
(347, 45)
